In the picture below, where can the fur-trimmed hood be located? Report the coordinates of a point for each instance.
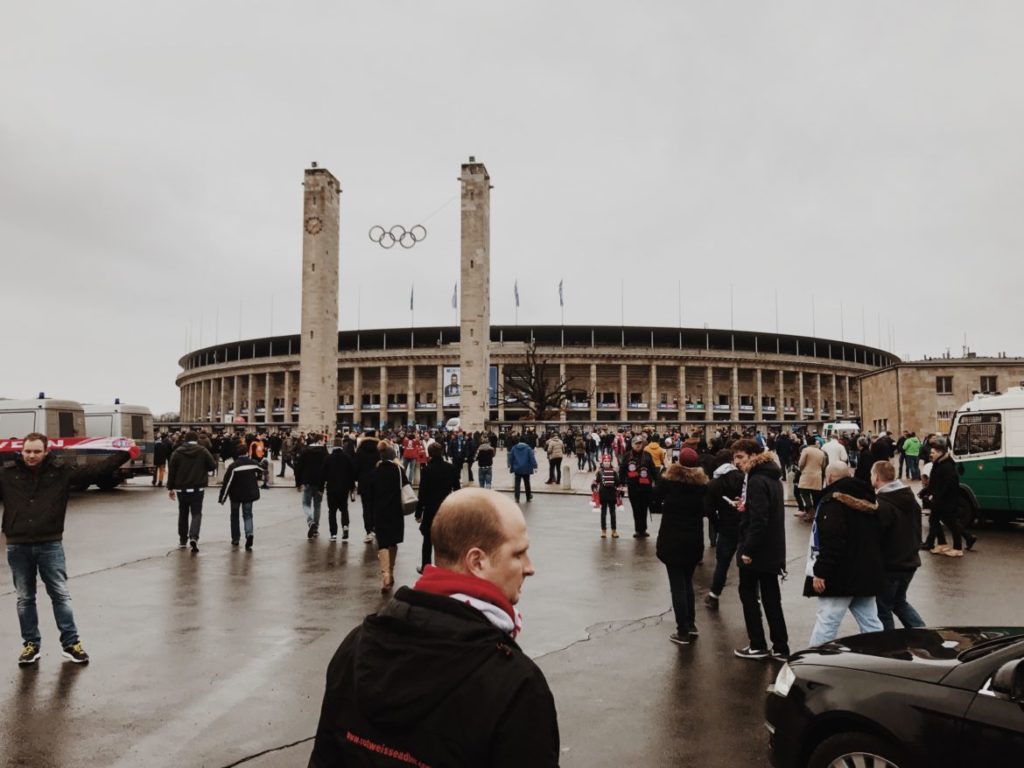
(766, 462)
(685, 475)
(854, 494)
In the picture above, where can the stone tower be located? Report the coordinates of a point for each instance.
(475, 295)
(318, 358)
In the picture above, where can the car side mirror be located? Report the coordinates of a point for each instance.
(1008, 680)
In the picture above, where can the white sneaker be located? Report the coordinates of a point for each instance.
(370, 538)
(334, 538)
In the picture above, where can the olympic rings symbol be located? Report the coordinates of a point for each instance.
(407, 238)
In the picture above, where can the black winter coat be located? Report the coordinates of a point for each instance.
(681, 535)
(438, 479)
(241, 481)
(436, 682)
(849, 540)
(944, 486)
(35, 503)
(161, 452)
(638, 473)
(339, 472)
(190, 467)
(309, 467)
(900, 518)
(725, 515)
(762, 527)
(388, 519)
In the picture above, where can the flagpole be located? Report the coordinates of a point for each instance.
(679, 302)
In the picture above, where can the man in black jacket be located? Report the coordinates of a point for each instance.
(943, 493)
(366, 460)
(438, 479)
(638, 473)
(34, 491)
(436, 678)
(761, 550)
(187, 478)
(340, 479)
(309, 473)
(241, 485)
(900, 518)
(845, 570)
(721, 500)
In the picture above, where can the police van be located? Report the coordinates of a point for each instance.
(63, 423)
(123, 420)
(987, 444)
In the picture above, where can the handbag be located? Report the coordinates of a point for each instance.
(409, 498)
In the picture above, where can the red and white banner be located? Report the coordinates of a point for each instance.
(94, 445)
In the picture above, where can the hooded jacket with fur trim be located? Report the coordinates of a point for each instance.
(681, 535)
(848, 536)
(762, 528)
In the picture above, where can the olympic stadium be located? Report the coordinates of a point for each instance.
(636, 376)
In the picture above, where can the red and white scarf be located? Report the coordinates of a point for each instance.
(475, 592)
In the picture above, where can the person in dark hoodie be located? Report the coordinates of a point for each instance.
(367, 457)
(900, 517)
(309, 472)
(242, 486)
(720, 503)
(680, 543)
(438, 479)
(436, 677)
(844, 568)
(943, 493)
(761, 550)
(188, 474)
(388, 517)
(340, 479)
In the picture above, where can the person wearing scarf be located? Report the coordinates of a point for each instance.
(436, 678)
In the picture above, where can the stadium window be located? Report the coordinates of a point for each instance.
(944, 385)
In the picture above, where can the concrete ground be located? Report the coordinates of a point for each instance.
(218, 659)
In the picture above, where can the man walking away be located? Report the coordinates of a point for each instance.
(844, 570)
(761, 550)
(34, 491)
(340, 479)
(438, 481)
(522, 463)
(161, 452)
(242, 486)
(187, 478)
(309, 471)
(437, 678)
(555, 450)
(721, 502)
(900, 518)
(485, 463)
(366, 460)
(912, 455)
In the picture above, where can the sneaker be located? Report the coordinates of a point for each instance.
(779, 654)
(971, 541)
(334, 537)
(234, 542)
(316, 530)
(711, 601)
(344, 533)
(76, 653)
(678, 639)
(248, 542)
(310, 531)
(29, 654)
(953, 552)
(194, 544)
(369, 538)
(182, 543)
(615, 534)
(693, 633)
(529, 498)
(751, 653)
(939, 549)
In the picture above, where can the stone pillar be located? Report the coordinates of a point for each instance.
(357, 395)
(501, 393)
(682, 394)
(835, 393)
(623, 393)
(410, 394)
(758, 394)
(709, 396)
(592, 397)
(383, 395)
(182, 414)
(654, 392)
(236, 404)
(251, 395)
(734, 395)
(561, 377)
(780, 405)
(287, 396)
(800, 396)
(440, 396)
(318, 357)
(849, 406)
(819, 404)
(475, 292)
(268, 405)
(223, 382)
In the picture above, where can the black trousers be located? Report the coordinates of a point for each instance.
(190, 503)
(640, 501)
(336, 501)
(367, 498)
(525, 480)
(754, 584)
(555, 470)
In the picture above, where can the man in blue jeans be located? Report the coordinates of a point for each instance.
(721, 500)
(34, 491)
(900, 518)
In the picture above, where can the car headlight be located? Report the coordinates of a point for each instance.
(784, 681)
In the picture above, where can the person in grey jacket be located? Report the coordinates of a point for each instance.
(187, 477)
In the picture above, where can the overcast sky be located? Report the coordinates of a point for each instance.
(867, 154)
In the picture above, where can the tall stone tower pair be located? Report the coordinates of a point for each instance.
(318, 356)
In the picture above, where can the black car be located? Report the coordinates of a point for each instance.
(906, 698)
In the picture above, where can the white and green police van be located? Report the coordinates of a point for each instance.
(987, 439)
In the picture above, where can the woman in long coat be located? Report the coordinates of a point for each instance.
(681, 536)
(388, 518)
(812, 473)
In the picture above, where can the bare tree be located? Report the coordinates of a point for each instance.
(538, 385)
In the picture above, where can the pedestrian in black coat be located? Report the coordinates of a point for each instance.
(366, 460)
(388, 518)
(242, 486)
(438, 479)
(340, 478)
(680, 542)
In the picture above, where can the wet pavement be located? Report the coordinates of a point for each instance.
(218, 659)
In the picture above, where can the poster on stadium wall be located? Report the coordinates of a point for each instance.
(452, 392)
(492, 386)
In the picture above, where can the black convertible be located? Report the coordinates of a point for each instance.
(906, 698)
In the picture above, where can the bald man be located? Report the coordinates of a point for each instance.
(436, 678)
